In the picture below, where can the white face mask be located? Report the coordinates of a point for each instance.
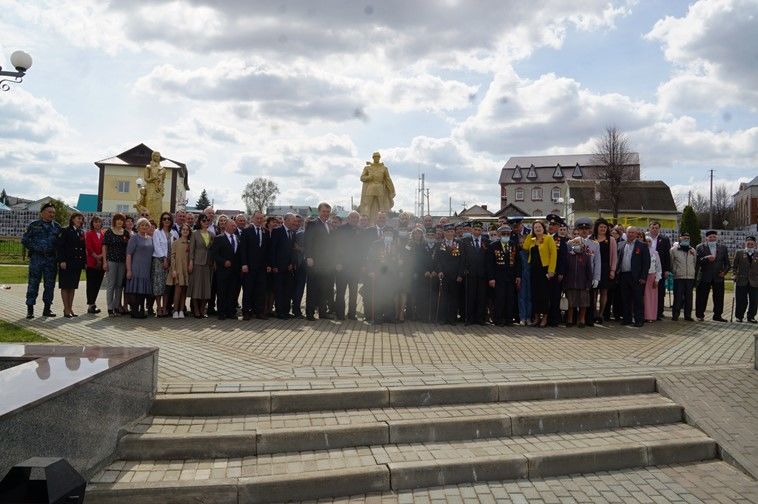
(749, 251)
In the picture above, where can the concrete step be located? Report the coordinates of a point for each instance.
(162, 438)
(242, 403)
(350, 471)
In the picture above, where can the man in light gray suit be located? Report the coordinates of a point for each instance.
(712, 266)
(746, 281)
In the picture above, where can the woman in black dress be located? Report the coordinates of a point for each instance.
(542, 262)
(72, 257)
(608, 266)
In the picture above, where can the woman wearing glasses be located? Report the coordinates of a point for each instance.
(200, 267)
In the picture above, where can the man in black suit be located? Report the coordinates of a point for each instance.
(555, 284)
(475, 253)
(225, 252)
(349, 261)
(711, 267)
(283, 265)
(301, 272)
(448, 263)
(663, 246)
(503, 272)
(320, 261)
(634, 264)
(254, 245)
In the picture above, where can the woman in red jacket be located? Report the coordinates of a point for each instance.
(93, 240)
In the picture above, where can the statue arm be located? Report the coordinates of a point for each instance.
(388, 183)
(365, 176)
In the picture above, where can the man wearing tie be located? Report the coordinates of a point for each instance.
(254, 245)
(225, 252)
(283, 265)
(320, 262)
(348, 268)
(475, 262)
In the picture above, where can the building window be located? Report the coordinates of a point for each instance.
(519, 194)
(555, 193)
(536, 194)
(122, 186)
(503, 191)
(122, 208)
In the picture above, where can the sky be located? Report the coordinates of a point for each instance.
(304, 92)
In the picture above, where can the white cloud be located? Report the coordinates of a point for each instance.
(715, 49)
(26, 117)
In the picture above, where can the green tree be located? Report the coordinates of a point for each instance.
(203, 202)
(260, 194)
(690, 225)
(61, 212)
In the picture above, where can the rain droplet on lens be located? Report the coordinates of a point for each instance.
(369, 10)
(503, 100)
(282, 38)
(726, 116)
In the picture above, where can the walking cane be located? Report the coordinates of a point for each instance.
(439, 301)
(734, 295)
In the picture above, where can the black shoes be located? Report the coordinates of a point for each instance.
(48, 312)
(29, 312)
(719, 319)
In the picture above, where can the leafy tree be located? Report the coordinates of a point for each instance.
(260, 194)
(3, 197)
(690, 225)
(613, 157)
(61, 212)
(203, 202)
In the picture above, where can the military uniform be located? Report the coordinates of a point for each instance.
(40, 240)
(475, 252)
(555, 286)
(448, 260)
(428, 299)
(504, 267)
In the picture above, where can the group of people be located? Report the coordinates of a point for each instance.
(446, 273)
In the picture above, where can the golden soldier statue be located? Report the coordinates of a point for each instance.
(155, 178)
(378, 194)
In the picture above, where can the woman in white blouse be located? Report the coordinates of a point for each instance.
(651, 286)
(162, 238)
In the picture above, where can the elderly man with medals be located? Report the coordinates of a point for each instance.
(503, 272)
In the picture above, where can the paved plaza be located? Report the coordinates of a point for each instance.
(706, 367)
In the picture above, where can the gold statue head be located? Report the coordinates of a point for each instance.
(376, 156)
(156, 156)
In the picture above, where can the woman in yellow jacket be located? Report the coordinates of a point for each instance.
(543, 257)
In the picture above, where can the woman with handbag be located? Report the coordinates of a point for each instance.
(543, 258)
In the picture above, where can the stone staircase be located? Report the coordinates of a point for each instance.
(301, 445)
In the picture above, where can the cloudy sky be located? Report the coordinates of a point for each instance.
(303, 92)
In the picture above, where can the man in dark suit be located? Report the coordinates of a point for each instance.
(225, 252)
(712, 266)
(283, 265)
(634, 264)
(301, 272)
(663, 246)
(320, 261)
(448, 263)
(254, 245)
(475, 252)
(349, 261)
(746, 281)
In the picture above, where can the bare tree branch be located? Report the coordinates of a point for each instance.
(613, 157)
(260, 194)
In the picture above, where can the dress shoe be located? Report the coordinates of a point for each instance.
(310, 318)
(212, 311)
(298, 316)
(689, 319)
(245, 316)
(68, 315)
(326, 316)
(719, 319)
(739, 320)
(675, 319)
(48, 312)
(638, 324)
(700, 319)
(29, 312)
(752, 321)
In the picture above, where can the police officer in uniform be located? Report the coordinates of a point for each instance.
(504, 276)
(40, 240)
(428, 308)
(556, 283)
(448, 263)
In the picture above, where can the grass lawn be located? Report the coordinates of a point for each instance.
(12, 252)
(11, 333)
(13, 274)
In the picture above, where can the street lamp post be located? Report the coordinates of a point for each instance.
(22, 62)
(566, 203)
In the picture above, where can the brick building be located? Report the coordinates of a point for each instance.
(535, 183)
(746, 204)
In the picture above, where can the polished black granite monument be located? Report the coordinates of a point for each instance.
(70, 402)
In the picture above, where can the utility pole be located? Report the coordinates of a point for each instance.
(428, 206)
(710, 224)
(450, 206)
